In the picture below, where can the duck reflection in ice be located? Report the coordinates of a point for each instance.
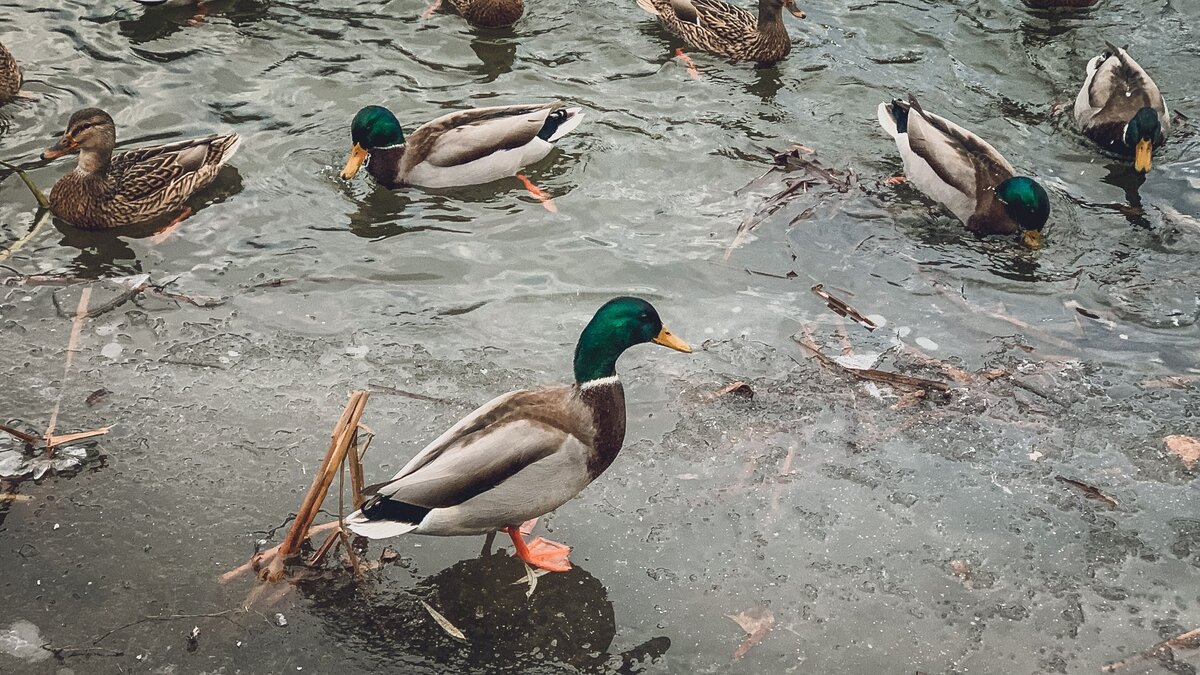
(568, 621)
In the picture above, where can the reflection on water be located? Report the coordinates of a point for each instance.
(496, 49)
(568, 621)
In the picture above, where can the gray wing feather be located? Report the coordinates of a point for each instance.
(477, 464)
(468, 135)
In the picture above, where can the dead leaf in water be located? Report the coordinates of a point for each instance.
(740, 388)
(1089, 491)
(1186, 448)
(757, 622)
(442, 621)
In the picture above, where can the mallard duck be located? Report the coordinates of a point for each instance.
(523, 454)
(489, 13)
(462, 148)
(10, 76)
(109, 191)
(1120, 108)
(966, 174)
(728, 30)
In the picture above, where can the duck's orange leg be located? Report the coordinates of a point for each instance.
(538, 193)
(161, 236)
(432, 8)
(543, 553)
(687, 61)
(895, 180)
(198, 17)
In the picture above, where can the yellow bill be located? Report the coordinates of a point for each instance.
(1032, 239)
(357, 156)
(1141, 155)
(667, 339)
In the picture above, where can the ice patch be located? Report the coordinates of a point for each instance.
(24, 641)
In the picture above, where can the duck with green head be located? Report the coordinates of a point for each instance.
(523, 454)
(462, 148)
(964, 173)
(1121, 109)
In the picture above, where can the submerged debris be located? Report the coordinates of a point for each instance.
(738, 387)
(1186, 448)
(843, 308)
(1164, 651)
(757, 622)
(442, 621)
(1089, 491)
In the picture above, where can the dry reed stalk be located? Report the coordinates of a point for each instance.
(270, 563)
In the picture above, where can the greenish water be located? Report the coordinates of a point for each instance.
(930, 538)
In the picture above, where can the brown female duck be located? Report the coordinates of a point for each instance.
(489, 13)
(109, 191)
(10, 76)
(727, 30)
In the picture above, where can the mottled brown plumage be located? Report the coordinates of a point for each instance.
(726, 30)
(107, 191)
(489, 13)
(10, 76)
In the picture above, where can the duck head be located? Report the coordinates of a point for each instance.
(1027, 203)
(620, 324)
(92, 132)
(1142, 133)
(373, 127)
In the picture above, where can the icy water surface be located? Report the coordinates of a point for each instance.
(881, 533)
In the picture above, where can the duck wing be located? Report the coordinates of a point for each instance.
(1116, 88)
(509, 436)
(463, 137)
(146, 173)
(955, 154)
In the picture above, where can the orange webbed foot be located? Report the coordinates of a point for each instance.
(543, 553)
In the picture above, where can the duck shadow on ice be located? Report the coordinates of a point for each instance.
(567, 621)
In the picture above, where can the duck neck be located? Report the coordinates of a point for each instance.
(605, 398)
(94, 161)
(384, 164)
(770, 15)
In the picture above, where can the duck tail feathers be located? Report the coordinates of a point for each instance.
(560, 123)
(376, 529)
(893, 117)
(648, 6)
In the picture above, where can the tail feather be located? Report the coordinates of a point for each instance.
(648, 6)
(376, 529)
(560, 123)
(893, 117)
(231, 142)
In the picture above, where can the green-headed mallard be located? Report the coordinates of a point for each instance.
(728, 30)
(1120, 108)
(523, 454)
(10, 76)
(966, 174)
(109, 191)
(462, 148)
(489, 13)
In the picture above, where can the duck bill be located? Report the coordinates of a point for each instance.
(1141, 155)
(357, 156)
(796, 11)
(1032, 239)
(668, 339)
(62, 147)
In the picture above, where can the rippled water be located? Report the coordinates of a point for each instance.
(882, 537)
